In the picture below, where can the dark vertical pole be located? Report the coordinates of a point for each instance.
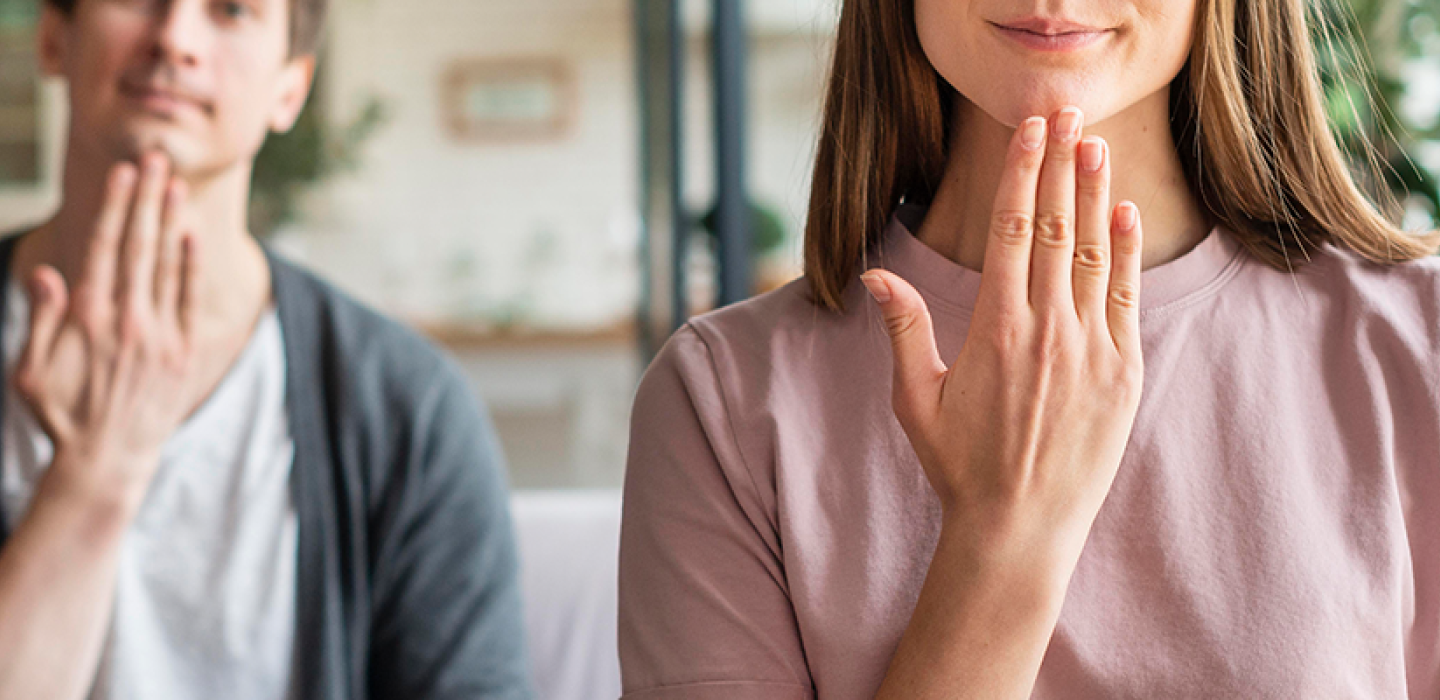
(665, 226)
(680, 226)
(732, 210)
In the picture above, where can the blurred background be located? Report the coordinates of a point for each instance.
(478, 169)
(534, 185)
(547, 188)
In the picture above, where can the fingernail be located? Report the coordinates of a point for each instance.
(1067, 125)
(1092, 154)
(1032, 133)
(1127, 215)
(877, 287)
(124, 174)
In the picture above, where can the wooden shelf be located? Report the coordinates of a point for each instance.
(463, 337)
(459, 336)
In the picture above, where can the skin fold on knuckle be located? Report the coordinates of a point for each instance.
(1092, 260)
(1091, 188)
(1012, 227)
(1061, 151)
(902, 324)
(1124, 296)
(1127, 246)
(1053, 229)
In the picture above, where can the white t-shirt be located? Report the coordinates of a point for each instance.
(205, 597)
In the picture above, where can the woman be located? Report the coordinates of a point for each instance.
(1007, 514)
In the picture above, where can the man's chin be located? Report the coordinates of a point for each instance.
(184, 156)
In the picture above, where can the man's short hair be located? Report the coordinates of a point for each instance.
(307, 18)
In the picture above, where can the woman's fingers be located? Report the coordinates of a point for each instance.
(1054, 249)
(919, 371)
(169, 265)
(1123, 306)
(1091, 273)
(1005, 284)
(143, 234)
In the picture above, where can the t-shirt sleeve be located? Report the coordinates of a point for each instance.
(1418, 424)
(705, 609)
(447, 618)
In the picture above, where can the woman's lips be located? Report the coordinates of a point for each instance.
(1050, 38)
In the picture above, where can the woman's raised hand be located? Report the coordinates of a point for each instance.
(1022, 436)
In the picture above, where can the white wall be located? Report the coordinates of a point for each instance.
(426, 208)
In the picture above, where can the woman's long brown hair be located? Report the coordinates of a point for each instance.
(1247, 114)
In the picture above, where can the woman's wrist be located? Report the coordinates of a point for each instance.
(984, 617)
(1034, 558)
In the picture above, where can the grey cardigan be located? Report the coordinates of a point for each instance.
(408, 582)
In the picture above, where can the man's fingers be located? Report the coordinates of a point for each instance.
(1123, 306)
(98, 277)
(188, 301)
(1054, 249)
(143, 234)
(169, 266)
(48, 302)
(1006, 279)
(919, 371)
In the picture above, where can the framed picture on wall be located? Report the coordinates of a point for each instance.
(508, 100)
(19, 95)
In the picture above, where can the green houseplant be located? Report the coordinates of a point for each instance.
(1372, 55)
(313, 151)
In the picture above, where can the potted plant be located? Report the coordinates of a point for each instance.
(1372, 54)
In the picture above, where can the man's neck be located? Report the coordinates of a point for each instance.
(234, 283)
(1146, 170)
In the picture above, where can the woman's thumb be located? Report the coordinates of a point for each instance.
(919, 371)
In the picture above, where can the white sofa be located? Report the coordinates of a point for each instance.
(569, 545)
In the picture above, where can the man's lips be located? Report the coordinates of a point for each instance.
(162, 98)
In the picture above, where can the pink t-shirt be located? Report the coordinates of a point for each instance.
(1273, 532)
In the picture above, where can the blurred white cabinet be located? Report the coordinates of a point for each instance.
(569, 551)
(560, 401)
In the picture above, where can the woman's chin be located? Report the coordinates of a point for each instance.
(1015, 106)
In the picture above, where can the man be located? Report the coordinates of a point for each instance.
(221, 477)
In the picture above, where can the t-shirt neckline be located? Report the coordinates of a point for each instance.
(949, 285)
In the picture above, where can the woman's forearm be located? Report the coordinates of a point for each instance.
(1022, 446)
(982, 623)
